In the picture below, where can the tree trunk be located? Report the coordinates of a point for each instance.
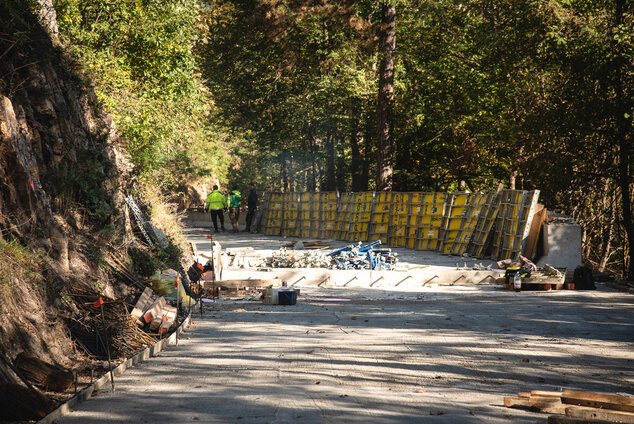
(331, 177)
(607, 237)
(312, 182)
(385, 147)
(43, 374)
(624, 134)
(284, 172)
(512, 179)
(357, 164)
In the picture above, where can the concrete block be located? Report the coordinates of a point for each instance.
(562, 246)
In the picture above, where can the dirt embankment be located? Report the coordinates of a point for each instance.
(62, 176)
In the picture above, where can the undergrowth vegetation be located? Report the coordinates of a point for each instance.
(139, 55)
(17, 266)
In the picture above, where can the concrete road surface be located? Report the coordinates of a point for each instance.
(354, 356)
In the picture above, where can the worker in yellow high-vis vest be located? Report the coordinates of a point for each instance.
(216, 202)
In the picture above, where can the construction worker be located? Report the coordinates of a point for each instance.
(252, 206)
(234, 208)
(216, 202)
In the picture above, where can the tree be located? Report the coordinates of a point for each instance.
(386, 97)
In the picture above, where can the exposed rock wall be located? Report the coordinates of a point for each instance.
(52, 135)
(49, 120)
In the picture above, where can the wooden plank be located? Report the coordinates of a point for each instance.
(168, 318)
(548, 404)
(145, 300)
(545, 393)
(600, 414)
(530, 248)
(153, 311)
(512, 402)
(562, 419)
(599, 400)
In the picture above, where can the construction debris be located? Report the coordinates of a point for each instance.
(307, 244)
(589, 407)
(284, 258)
(369, 256)
(91, 333)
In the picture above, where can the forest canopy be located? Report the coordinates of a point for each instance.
(408, 95)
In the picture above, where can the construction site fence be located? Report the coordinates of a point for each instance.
(493, 225)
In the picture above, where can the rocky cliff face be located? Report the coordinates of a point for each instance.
(50, 130)
(61, 173)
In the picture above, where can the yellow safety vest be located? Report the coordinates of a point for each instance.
(216, 200)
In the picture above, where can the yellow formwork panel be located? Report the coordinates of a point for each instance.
(507, 223)
(463, 236)
(380, 228)
(306, 198)
(273, 227)
(360, 213)
(413, 219)
(431, 227)
(486, 221)
(342, 223)
(360, 217)
(358, 231)
(398, 219)
(457, 213)
(275, 214)
(517, 209)
(290, 214)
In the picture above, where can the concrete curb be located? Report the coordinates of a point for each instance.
(140, 357)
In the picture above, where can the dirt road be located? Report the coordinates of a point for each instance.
(446, 355)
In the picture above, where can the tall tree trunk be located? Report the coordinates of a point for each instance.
(331, 177)
(607, 235)
(385, 147)
(512, 179)
(623, 107)
(284, 171)
(312, 182)
(357, 142)
(367, 159)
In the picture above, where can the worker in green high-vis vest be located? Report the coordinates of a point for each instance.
(234, 208)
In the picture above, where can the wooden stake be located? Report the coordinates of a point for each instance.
(103, 319)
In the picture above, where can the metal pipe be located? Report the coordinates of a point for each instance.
(435, 276)
(377, 280)
(303, 277)
(409, 276)
(350, 280)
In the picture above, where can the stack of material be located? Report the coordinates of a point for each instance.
(293, 259)
(369, 256)
(574, 406)
(154, 311)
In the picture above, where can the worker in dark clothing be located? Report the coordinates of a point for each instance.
(252, 205)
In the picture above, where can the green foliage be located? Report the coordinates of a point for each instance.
(140, 55)
(143, 263)
(81, 182)
(170, 256)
